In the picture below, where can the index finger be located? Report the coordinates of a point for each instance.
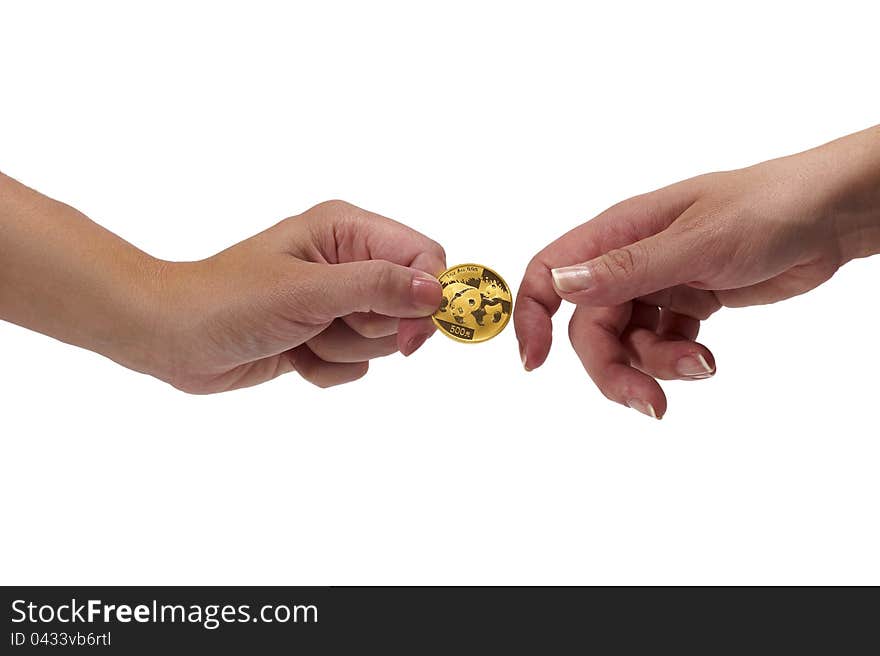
(622, 224)
(378, 237)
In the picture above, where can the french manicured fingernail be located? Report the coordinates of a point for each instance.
(694, 367)
(575, 278)
(644, 408)
(524, 357)
(426, 291)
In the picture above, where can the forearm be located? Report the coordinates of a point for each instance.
(65, 276)
(851, 167)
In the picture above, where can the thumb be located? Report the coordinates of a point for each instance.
(658, 262)
(372, 286)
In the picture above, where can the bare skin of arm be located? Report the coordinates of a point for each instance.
(321, 293)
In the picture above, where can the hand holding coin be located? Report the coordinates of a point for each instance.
(322, 293)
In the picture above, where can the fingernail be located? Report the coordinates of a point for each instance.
(524, 357)
(575, 278)
(415, 344)
(695, 367)
(644, 408)
(426, 291)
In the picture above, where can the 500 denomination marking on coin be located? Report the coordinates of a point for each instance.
(476, 303)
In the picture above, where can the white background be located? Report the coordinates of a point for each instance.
(494, 128)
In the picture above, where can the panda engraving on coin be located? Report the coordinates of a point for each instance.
(476, 303)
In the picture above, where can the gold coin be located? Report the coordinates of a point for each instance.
(476, 303)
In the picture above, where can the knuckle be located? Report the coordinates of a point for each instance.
(699, 313)
(608, 394)
(536, 268)
(320, 348)
(354, 371)
(710, 306)
(194, 384)
(364, 328)
(711, 238)
(713, 220)
(324, 219)
(383, 276)
(715, 303)
(334, 205)
(623, 262)
(314, 375)
(369, 331)
(371, 328)
(695, 303)
(359, 371)
(193, 387)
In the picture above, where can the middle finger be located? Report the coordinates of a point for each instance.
(339, 343)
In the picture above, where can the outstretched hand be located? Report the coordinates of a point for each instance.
(646, 272)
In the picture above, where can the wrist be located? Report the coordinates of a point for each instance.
(853, 178)
(139, 332)
(179, 307)
(858, 230)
